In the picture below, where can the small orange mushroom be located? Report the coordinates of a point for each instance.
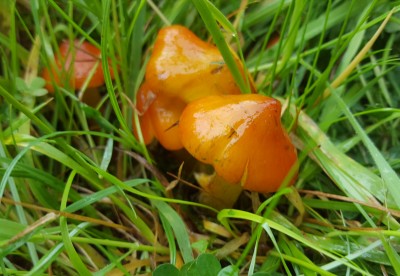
(241, 136)
(182, 68)
(75, 64)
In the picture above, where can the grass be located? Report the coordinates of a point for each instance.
(79, 195)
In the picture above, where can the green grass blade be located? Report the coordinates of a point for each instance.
(179, 228)
(392, 254)
(389, 176)
(203, 7)
(226, 214)
(49, 256)
(76, 260)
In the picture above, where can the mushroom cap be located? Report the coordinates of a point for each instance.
(185, 67)
(165, 113)
(75, 65)
(181, 69)
(159, 117)
(241, 136)
(144, 98)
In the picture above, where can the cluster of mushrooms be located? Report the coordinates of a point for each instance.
(190, 100)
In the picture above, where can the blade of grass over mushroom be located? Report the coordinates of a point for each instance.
(203, 7)
(231, 33)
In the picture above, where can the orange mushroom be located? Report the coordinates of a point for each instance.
(144, 98)
(241, 136)
(185, 67)
(75, 65)
(182, 68)
(158, 117)
(165, 113)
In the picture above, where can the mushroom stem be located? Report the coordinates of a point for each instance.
(217, 192)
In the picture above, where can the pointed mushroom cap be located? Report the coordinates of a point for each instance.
(241, 136)
(183, 66)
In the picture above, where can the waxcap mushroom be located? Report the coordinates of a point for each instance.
(184, 66)
(241, 136)
(75, 63)
(159, 117)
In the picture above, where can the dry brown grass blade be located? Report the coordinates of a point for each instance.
(43, 220)
(66, 214)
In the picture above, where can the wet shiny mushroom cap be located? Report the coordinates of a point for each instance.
(185, 67)
(241, 136)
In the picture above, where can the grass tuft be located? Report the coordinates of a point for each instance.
(80, 195)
